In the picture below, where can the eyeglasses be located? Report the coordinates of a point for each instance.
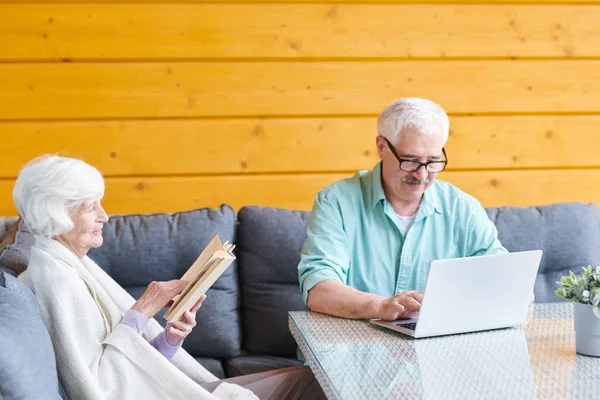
(414, 166)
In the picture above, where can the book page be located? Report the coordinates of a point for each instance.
(200, 275)
(211, 247)
(193, 279)
(201, 286)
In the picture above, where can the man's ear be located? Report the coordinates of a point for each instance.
(381, 145)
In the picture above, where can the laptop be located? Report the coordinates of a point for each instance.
(473, 294)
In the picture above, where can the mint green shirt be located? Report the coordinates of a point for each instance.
(353, 237)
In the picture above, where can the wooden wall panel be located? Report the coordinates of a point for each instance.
(188, 31)
(251, 146)
(62, 91)
(170, 194)
(196, 103)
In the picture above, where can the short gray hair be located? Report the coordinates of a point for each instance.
(49, 187)
(425, 116)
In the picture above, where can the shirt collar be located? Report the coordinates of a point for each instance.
(429, 204)
(378, 193)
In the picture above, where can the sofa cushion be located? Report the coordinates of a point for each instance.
(6, 225)
(27, 361)
(8, 230)
(213, 365)
(15, 256)
(246, 365)
(139, 249)
(269, 245)
(568, 234)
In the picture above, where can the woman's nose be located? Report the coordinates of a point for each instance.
(103, 216)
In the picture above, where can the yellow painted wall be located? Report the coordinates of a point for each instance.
(193, 104)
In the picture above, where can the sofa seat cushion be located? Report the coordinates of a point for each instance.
(269, 245)
(213, 365)
(139, 249)
(568, 234)
(246, 365)
(27, 360)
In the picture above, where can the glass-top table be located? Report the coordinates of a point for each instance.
(354, 359)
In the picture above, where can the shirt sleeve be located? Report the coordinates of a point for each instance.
(482, 234)
(325, 254)
(160, 343)
(135, 321)
(138, 322)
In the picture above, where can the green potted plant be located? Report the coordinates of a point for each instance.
(585, 294)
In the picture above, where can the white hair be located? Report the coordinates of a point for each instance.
(427, 117)
(49, 187)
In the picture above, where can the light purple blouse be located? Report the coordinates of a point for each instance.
(138, 322)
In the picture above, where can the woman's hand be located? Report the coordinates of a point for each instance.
(157, 296)
(177, 331)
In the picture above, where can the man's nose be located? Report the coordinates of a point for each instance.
(422, 173)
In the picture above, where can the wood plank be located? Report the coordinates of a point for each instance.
(523, 142)
(492, 188)
(187, 147)
(210, 89)
(188, 31)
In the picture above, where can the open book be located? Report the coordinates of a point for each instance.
(207, 268)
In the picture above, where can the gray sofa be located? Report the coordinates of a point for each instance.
(242, 326)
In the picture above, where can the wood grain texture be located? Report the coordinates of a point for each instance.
(492, 188)
(296, 31)
(217, 89)
(296, 145)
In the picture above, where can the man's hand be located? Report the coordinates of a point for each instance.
(404, 305)
(158, 296)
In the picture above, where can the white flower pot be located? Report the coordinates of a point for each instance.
(587, 330)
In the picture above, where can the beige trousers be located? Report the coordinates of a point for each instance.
(294, 383)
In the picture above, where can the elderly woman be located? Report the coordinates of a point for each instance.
(105, 342)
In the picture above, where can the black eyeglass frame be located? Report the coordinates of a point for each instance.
(421, 164)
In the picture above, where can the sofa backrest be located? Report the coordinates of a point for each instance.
(15, 257)
(141, 248)
(568, 234)
(269, 241)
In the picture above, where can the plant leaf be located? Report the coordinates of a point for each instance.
(572, 276)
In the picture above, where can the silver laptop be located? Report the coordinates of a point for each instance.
(473, 294)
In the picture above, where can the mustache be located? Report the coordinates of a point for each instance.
(415, 180)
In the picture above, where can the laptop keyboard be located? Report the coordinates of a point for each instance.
(411, 325)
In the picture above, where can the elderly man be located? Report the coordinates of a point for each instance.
(372, 237)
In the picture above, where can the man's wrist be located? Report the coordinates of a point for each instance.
(375, 306)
